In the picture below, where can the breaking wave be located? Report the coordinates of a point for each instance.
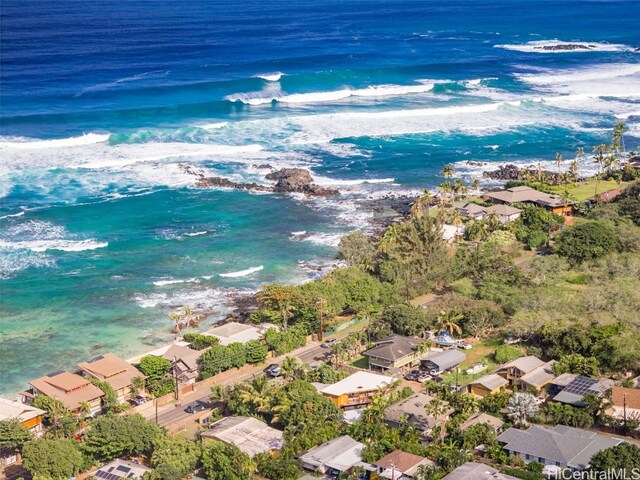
(242, 273)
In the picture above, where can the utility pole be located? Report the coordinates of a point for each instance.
(624, 410)
(175, 376)
(155, 401)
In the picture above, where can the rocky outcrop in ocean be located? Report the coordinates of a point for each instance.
(565, 46)
(288, 180)
(510, 172)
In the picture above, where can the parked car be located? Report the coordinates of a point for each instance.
(272, 370)
(423, 377)
(413, 375)
(328, 343)
(139, 400)
(464, 345)
(194, 407)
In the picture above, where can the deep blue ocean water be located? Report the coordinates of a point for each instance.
(101, 232)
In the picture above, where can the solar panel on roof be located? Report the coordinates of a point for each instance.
(580, 385)
(123, 468)
(102, 474)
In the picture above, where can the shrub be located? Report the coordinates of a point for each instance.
(586, 241)
(506, 353)
(199, 341)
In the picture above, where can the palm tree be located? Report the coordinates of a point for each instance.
(177, 319)
(475, 184)
(599, 158)
(573, 170)
(493, 221)
(436, 408)
(445, 188)
(283, 298)
(447, 320)
(448, 171)
(559, 160)
(220, 394)
(421, 204)
(290, 366)
(85, 409)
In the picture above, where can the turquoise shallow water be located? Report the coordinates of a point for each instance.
(102, 233)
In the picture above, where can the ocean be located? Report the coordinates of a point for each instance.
(102, 234)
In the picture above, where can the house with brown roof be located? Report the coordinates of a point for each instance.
(185, 363)
(504, 213)
(399, 465)
(625, 403)
(112, 369)
(527, 373)
(413, 410)
(483, 419)
(395, 351)
(487, 385)
(357, 390)
(71, 389)
(29, 417)
(531, 196)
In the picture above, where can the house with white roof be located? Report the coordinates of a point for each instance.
(29, 417)
(249, 434)
(234, 332)
(333, 457)
(357, 389)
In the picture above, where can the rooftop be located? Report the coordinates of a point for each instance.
(629, 396)
(470, 209)
(524, 364)
(502, 209)
(394, 347)
(357, 382)
(476, 471)
(413, 409)
(71, 389)
(574, 392)
(401, 462)
(480, 418)
(185, 355)
(446, 359)
(566, 445)
(112, 369)
(120, 469)
(233, 332)
(490, 382)
(540, 376)
(247, 433)
(13, 409)
(340, 453)
(526, 194)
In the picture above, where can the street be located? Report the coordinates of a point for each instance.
(168, 415)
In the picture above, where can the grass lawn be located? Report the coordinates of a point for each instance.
(361, 362)
(584, 190)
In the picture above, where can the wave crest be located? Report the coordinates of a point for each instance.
(242, 273)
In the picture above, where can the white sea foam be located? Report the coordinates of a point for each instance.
(329, 96)
(213, 126)
(198, 297)
(61, 245)
(298, 233)
(12, 215)
(22, 143)
(120, 81)
(326, 181)
(12, 262)
(270, 77)
(196, 234)
(242, 273)
(162, 283)
(324, 239)
(542, 46)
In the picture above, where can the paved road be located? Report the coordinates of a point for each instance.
(168, 415)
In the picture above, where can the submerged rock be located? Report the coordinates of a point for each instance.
(565, 46)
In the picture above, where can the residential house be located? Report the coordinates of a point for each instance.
(113, 370)
(504, 213)
(249, 434)
(528, 195)
(487, 385)
(395, 351)
(483, 418)
(606, 197)
(625, 403)
(338, 455)
(472, 210)
(399, 465)
(557, 384)
(357, 389)
(451, 233)
(573, 393)
(476, 471)
(440, 362)
(562, 446)
(234, 332)
(184, 363)
(527, 373)
(29, 417)
(72, 390)
(412, 410)
(120, 469)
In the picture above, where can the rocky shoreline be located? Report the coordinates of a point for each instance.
(512, 172)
